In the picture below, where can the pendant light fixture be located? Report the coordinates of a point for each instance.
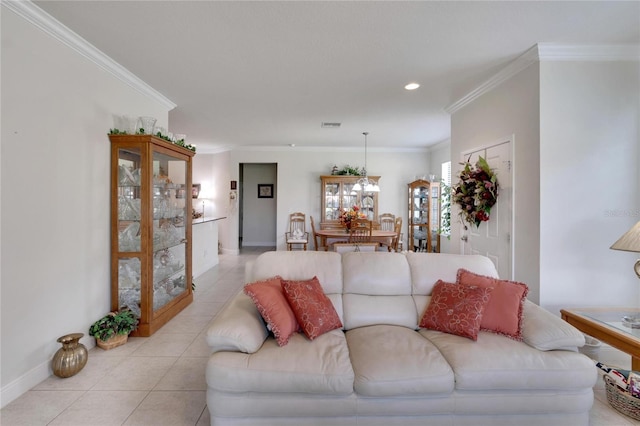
(364, 184)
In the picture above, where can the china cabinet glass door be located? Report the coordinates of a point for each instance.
(129, 228)
(337, 194)
(424, 216)
(168, 230)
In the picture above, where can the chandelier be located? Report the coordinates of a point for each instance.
(364, 184)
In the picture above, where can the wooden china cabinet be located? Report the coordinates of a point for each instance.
(424, 216)
(150, 229)
(336, 193)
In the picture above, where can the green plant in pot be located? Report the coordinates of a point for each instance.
(113, 329)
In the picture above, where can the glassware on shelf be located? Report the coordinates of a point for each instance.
(129, 273)
(129, 284)
(128, 209)
(126, 177)
(129, 238)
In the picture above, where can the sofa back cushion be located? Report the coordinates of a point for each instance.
(428, 268)
(377, 290)
(300, 266)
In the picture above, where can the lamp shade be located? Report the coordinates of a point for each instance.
(630, 241)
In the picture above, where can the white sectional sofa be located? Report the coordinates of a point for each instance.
(381, 368)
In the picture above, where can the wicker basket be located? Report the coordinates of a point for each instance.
(622, 400)
(113, 342)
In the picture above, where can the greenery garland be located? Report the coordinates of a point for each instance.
(179, 142)
(476, 192)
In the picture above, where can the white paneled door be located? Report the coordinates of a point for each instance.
(494, 238)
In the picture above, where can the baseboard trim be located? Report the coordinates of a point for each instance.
(29, 380)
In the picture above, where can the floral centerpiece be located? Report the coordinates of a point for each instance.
(476, 192)
(346, 216)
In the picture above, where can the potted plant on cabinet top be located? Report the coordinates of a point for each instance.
(113, 329)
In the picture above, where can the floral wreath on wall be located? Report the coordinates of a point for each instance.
(476, 192)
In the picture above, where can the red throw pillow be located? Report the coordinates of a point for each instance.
(274, 308)
(313, 309)
(456, 309)
(504, 311)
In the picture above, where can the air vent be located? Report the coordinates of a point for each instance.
(329, 125)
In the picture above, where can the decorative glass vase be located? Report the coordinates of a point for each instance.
(147, 125)
(71, 357)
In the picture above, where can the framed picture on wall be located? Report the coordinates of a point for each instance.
(195, 190)
(265, 190)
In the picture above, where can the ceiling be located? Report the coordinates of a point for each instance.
(270, 72)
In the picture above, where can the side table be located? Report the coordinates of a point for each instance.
(605, 324)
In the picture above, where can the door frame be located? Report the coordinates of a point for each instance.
(512, 237)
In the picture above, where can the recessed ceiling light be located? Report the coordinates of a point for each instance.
(412, 86)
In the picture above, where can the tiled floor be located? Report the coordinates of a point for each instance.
(159, 380)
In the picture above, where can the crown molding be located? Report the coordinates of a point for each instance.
(445, 144)
(550, 52)
(589, 52)
(514, 67)
(54, 28)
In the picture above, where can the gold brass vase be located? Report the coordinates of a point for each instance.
(71, 357)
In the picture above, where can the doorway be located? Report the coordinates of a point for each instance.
(494, 238)
(258, 189)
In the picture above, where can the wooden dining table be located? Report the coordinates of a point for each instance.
(340, 234)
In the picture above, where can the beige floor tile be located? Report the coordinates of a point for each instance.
(185, 324)
(133, 343)
(205, 419)
(201, 309)
(166, 344)
(95, 369)
(215, 297)
(137, 373)
(101, 408)
(602, 414)
(185, 374)
(199, 347)
(36, 408)
(171, 408)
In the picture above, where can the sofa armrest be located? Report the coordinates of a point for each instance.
(239, 327)
(546, 332)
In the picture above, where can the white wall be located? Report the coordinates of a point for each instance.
(299, 172)
(589, 184)
(512, 108)
(57, 110)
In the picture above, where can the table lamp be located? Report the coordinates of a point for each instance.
(630, 241)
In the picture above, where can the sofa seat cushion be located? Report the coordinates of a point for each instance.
(321, 366)
(495, 362)
(393, 360)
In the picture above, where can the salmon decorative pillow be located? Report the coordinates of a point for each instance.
(274, 308)
(504, 311)
(456, 309)
(313, 309)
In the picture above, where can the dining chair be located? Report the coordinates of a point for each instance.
(396, 243)
(297, 233)
(360, 231)
(387, 223)
(315, 236)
